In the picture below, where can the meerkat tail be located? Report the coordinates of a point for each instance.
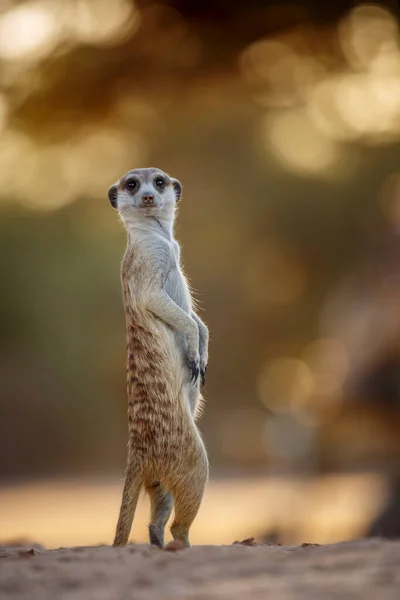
(130, 496)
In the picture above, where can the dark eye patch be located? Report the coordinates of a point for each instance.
(131, 184)
(160, 182)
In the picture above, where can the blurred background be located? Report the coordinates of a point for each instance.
(282, 121)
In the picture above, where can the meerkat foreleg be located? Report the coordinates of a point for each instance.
(161, 502)
(130, 496)
(163, 307)
(203, 346)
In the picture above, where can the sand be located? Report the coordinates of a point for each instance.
(367, 569)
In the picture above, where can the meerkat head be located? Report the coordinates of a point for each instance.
(145, 193)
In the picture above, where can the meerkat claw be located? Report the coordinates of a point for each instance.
(194, 370)
(203, 376)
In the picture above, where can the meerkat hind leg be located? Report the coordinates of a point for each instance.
(188, 494)
(161, 502)
(130, 496)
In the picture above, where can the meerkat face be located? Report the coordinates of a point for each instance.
(145, 193)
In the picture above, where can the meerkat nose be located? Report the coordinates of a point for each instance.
(113, 195)
(148, 199)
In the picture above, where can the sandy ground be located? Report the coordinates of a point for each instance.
(364, 570)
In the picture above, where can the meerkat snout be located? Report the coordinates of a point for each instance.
(148, 199)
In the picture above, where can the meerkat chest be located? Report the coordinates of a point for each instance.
(175, 283)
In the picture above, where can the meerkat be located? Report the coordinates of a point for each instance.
(167, 354)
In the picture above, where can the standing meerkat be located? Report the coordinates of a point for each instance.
(167, 347)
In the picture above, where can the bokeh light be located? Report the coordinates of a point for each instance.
(299, 145)
(101, 22)
(280, 74)
(29, 31)
(285, 384)
(369, 36)
(328, 361)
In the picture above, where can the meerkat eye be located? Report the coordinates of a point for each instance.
(131, 184)
(160, 182)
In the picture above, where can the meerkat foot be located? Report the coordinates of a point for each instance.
(180, 533)
(175, 546)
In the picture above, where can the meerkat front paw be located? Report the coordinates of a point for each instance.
(193, 362)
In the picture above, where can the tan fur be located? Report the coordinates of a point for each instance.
(165, 452)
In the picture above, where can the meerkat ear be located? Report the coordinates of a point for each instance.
(113, 196)
(177, 189)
